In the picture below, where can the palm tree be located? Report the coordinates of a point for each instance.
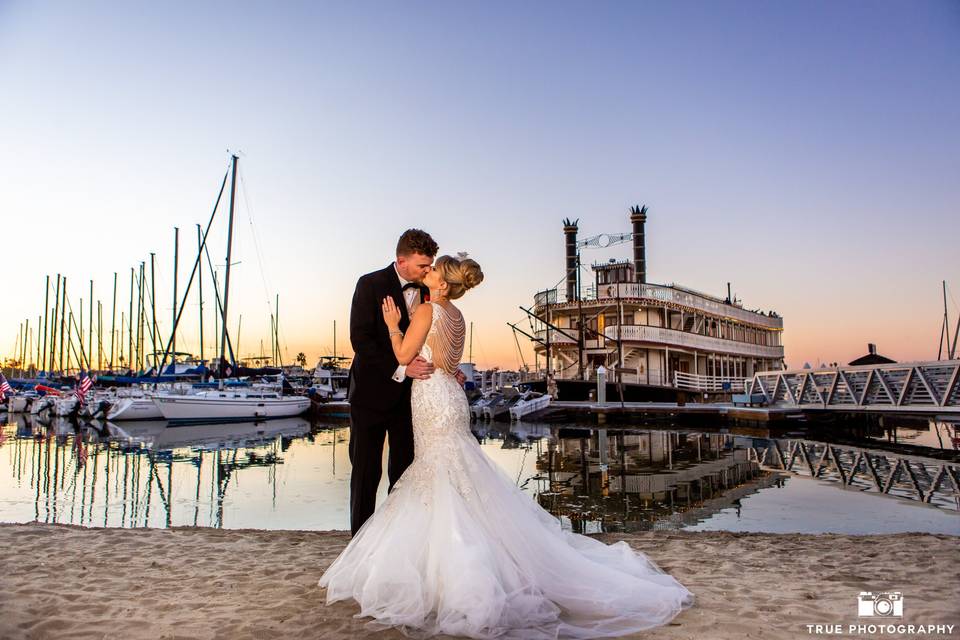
(302, 359)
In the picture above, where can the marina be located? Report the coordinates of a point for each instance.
(646, 314)
(294, 474)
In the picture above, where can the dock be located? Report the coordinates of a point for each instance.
(639, 410)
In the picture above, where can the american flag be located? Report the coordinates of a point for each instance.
(5, 388)
(83, 386)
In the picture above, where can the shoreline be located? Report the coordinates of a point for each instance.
(66, 581)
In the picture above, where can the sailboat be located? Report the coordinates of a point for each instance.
(257, 402)
(228, 405)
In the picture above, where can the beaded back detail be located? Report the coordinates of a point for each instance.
(446, 338)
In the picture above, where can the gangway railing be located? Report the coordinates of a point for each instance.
(931, 387)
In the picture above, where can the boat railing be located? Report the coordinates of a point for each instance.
(667, 294)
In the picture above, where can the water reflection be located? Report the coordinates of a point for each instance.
(140, 474)
(290, 474)
(602, 480)
(934, 433)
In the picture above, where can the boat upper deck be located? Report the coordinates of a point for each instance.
(673, 296)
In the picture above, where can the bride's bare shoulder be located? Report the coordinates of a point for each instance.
(423, 311)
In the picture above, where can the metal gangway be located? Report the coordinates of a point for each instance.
(931, 387)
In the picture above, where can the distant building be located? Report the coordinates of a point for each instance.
(872, 357)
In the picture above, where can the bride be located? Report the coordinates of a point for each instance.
(457, 548)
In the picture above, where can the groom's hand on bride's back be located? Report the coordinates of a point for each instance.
(419, 369)
(461, 377)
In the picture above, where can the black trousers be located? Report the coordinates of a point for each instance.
(368, 429)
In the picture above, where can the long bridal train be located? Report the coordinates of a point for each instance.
(457, 548)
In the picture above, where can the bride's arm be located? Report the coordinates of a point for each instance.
(407, 346)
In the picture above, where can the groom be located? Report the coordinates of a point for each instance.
(379, 390)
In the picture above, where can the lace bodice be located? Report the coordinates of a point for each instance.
(445, 340)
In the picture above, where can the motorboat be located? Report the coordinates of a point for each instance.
(530, 402)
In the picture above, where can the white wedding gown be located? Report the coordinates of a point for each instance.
(457, 548)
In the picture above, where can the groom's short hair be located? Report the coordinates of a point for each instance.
(416, 241)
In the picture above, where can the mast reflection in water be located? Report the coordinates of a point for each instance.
(289, 474)
(139, 474)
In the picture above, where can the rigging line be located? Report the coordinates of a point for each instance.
(148, 295)
(196, 263)
(81, 356)
(950, 293)
(160, 283)
(519, 352)
(286, 346)
(256, 242)
(216, 291)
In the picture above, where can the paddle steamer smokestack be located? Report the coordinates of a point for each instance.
(638, 216)
(570, 235)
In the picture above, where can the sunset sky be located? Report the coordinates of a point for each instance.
(806, 152)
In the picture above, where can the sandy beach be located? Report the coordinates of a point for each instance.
(72, 582)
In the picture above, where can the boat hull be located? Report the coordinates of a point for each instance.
(134, 409)
(199, 409)
(17, 404)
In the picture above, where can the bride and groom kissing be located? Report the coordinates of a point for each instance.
(457, 548)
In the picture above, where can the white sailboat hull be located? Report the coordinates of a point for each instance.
(17, 404)
(134, 409)
(43, 405)
(65, 406)
(200, 408)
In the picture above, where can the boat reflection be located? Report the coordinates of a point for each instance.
(607, 480)
(602, 480)
(157, 435)
(289, 473)
(101, 474)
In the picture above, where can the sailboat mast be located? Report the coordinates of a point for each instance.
(239, 325)
(276, 329)
(99, 335)
(946, 322)
(63, 321)
(173, 336)
(90, 332)
(113, 321)
(200, 284)
(153, 307)
(46, 307)
(226, 284)
(53, 327)
(130, 326)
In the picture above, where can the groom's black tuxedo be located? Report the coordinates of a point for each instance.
(379, 406)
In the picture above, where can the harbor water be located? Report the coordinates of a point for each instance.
(293, 474)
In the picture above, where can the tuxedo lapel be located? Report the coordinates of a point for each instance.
(396, 292)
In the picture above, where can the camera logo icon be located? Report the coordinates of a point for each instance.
(883, 604)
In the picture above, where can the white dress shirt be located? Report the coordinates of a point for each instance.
(411, 297)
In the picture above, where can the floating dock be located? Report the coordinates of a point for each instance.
(639, 410)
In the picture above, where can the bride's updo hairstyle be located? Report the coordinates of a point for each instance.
(460, 274)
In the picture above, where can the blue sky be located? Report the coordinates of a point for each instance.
(806, 152)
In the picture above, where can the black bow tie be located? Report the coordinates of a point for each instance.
(410, 285)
